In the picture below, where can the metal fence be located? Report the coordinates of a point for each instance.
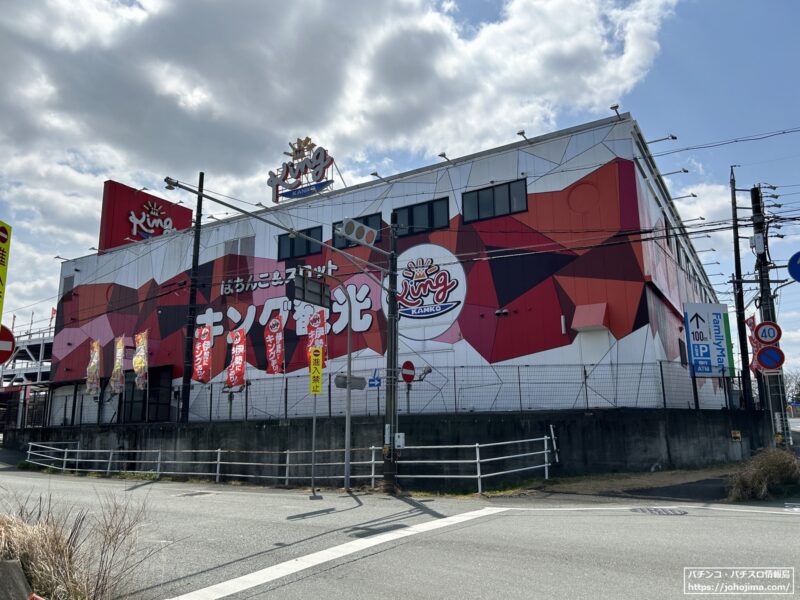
(294, 467)
(473, 389)
(445, 390)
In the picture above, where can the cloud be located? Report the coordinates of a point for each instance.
(136, 90)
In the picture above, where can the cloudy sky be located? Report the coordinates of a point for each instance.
(136, 90)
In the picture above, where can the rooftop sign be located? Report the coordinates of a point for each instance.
(305, 174)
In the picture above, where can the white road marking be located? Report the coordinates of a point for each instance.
(232, 586)
(746, 510)
(6, 346)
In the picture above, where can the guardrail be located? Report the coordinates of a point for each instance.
(292, 466)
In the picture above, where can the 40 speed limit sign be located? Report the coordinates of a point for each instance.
(768, 332)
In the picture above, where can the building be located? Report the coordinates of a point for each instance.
(547, 273)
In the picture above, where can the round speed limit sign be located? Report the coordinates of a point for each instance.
(768, 332)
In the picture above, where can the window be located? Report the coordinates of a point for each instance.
(245, 246)
(682, 352)
(495, 201)
(420, 218)
(373, 221)
(69, 283)
(290, 246)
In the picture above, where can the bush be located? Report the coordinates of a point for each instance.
(770, 472)
(72, 554)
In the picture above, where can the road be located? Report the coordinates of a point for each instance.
(364, 545)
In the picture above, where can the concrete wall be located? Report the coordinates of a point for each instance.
(589, 442)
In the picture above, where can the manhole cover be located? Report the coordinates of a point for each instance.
(652, 510)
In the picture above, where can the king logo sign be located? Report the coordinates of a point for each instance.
(152, 220)
(430, 292)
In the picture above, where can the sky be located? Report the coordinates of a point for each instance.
(138, 90)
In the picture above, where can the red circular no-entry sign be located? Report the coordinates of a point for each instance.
(7, 344)
(407, 371)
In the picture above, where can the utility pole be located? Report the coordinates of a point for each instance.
(773, 381)
(738, 293)
(188, 350)
(390, 420)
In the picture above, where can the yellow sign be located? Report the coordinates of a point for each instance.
(5, 249)
(315, 370)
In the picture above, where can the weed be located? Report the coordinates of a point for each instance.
(770, 472)
(72, 554)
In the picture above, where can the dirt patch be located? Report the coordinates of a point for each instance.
(633, 484)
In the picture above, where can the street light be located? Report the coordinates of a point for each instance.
(669, 137)
(444, 156)
(521, 133)
(682, 170)
(686, 196)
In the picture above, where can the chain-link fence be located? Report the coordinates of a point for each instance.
(472, 389)
(444, 390)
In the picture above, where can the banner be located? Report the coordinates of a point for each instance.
(235, 376)
(202, 355)
(93, 369)
(273, 339)
(754, 343)
(117, 381)
(315, 334)
(5, 249)
(315, 363)
(140, 360)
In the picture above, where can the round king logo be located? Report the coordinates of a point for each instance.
(431, 289)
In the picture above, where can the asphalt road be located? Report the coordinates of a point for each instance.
(363, 546)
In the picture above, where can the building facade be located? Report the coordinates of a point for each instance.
(548, 273)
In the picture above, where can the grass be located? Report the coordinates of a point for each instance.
(772, 472)
(72, 554)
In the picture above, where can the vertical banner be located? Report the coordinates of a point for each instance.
(140, 360)
(273, 340)
(315, 364)
(117, 381)
(315, 337)
(202, 355)
(5, 249)
(235, 376)
(93, 369)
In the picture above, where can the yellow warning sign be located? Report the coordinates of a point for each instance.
(315, 370)
(5, 248)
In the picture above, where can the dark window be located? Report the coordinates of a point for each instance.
(420, 218)
(290, 246)
(373, 221)
(245, 246)
(495, 201)
(69, 283)
(682, 351)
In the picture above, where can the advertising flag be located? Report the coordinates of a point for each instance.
(273, 339)
(5, 249)
(315, 337)
(235, 375)
(93, 369)
(117, 381)
(202, 355)
(140, 360)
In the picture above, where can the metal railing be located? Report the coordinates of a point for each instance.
(294, 466)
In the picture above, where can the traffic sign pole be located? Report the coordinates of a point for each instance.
(774, 384)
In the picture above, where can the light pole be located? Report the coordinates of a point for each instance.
(191, 311)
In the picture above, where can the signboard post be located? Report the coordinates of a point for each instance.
(315, 385)
(708, 340)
